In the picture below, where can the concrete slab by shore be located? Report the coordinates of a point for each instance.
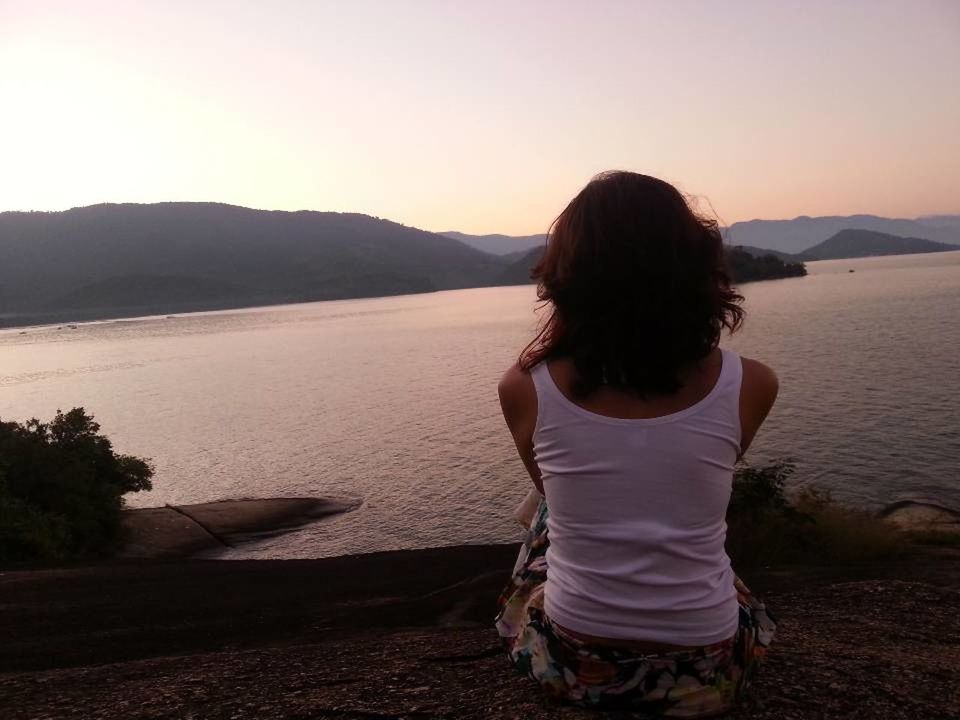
(164, 532)
(180, 531)
(916, 516)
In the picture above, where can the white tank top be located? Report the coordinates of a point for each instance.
(637, 515)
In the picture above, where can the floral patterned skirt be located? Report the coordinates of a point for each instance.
(694, 683)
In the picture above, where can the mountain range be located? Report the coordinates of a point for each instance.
(513, 245)
(790, 237)
(111, 260)
(802, 233)
(116, 260)
(855, 244)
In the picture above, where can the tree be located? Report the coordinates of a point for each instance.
(62, 488)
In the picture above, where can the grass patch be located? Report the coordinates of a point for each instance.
(769, 526)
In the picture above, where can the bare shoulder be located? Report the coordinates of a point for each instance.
(518, 399)
(514, 379)
(759, 375)
(760, 384)
(516, 387)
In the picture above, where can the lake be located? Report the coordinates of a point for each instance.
(394, 399)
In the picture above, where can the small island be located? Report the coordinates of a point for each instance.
(747, 267)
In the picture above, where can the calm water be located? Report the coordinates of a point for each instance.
(394, 399)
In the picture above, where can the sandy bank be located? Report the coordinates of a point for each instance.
(179, 531)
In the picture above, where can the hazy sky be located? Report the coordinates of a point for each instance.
(481, 116)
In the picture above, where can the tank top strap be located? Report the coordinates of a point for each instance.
(731, 375)
(542, 382)
(546, 391)
(730, 382)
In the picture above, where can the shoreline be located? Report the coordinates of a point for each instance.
(57, 319)
(195, 530)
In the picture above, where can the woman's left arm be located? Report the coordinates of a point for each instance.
(518, 401)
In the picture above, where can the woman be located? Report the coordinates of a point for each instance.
(629, 418)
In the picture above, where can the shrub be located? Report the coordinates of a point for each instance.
(62, 488)
(766, 526)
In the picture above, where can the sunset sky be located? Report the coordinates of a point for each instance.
(481, 116)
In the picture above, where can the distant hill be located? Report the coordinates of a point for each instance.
(498, 244)
(518, 272)
(795, 236)
(745, 267)
(941, 221)
(115, 260)
(865, 243)
(789, 237)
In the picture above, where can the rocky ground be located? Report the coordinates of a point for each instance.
(407, 635)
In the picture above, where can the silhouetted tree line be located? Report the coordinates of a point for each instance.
(746, 267)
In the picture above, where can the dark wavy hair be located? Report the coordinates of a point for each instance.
(637, 285)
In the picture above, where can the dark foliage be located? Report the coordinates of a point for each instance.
(767, 526)
(760, 490)
(747, 268)
(62, 488)
(746, 265)
(762, 525)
